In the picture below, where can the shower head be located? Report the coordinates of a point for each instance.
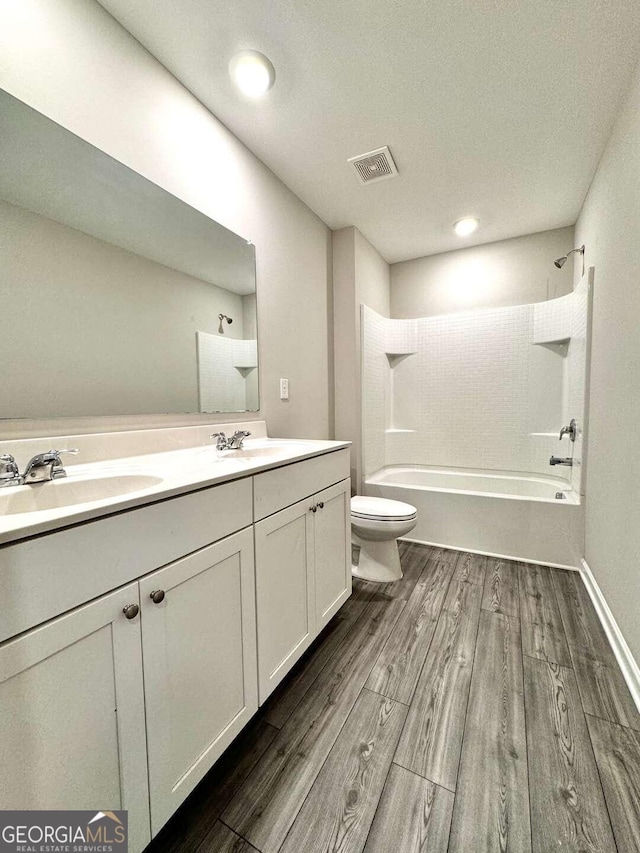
(560, 262)
(222, 317)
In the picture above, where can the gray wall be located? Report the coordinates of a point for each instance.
(608, 225)
(509, 272)
(373, 277)
(72, 61)
(360, 276)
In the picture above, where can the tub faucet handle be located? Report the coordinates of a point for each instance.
(571, 430)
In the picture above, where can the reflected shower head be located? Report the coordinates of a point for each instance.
(222, 317)
(560, 262)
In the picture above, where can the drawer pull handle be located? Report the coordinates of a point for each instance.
(313, 508)
(131, 611)
(157, 596)
(321, 504)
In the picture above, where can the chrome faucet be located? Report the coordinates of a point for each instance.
(560, 460)
(9, 473)
(236, 442)
(45, 466)
(571, 430)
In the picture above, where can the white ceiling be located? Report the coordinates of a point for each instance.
(497, 108)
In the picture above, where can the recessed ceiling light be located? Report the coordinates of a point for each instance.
(252, 73)
(467, 225)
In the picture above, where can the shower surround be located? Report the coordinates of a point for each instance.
(484, 394)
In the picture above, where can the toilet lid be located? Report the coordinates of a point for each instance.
(363, 506)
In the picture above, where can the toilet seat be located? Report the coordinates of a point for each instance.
(381, 509)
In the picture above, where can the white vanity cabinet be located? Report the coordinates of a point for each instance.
(198, 605)
(199, 650)
(285, 600)
(332, 551)
(72, 722)
(303, 566)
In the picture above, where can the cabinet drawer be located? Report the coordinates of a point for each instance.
(274, 490)
(48, 575)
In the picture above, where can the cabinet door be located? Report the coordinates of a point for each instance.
(61, 744)
(199, 646)
(332, 563)
(284, 591)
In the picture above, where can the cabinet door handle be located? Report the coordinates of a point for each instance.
(313, 508)
(131, 611)
(157, 596)
(321, 504)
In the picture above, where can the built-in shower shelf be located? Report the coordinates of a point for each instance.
(394, 358)
(400, 431)
(559, 342)
(245, 370)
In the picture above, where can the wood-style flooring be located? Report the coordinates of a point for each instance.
(475, 706)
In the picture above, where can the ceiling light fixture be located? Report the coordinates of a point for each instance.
(252, 73)
(465, 226)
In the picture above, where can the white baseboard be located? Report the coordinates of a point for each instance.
(621, 650)
(491, 554)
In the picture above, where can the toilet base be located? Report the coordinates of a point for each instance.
(379, 561)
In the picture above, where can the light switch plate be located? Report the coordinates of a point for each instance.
(284, 389)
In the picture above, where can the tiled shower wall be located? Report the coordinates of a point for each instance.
(485, 389)
(227, 375)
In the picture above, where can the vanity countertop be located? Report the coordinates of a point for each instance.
(100, 488)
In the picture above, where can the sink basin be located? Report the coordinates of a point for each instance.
(255, 453)
(68, 492)
(261, 449)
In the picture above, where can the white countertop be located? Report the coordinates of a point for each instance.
(175, 472)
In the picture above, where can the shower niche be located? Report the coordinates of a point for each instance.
(399, 415)
(548, 387)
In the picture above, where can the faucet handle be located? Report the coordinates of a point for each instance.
(571, 430)
(46, 466)
(8, 469)
(54, 455)
(57, 471)
(221, 440)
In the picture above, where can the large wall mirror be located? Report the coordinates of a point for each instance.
(117, 298)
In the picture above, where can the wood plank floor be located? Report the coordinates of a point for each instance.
(475, 706)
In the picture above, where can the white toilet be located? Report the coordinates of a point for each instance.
(376, 524)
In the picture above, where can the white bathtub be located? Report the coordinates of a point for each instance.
(505, 514)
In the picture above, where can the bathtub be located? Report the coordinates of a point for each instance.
(528, 517)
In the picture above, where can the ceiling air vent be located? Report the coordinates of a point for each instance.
(377, 165)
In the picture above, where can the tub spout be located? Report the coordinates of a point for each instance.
(561, 460)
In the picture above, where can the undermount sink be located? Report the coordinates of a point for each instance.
(261, 449)
(254, 452)
(67, 492)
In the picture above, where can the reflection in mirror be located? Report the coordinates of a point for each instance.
(112, 288)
